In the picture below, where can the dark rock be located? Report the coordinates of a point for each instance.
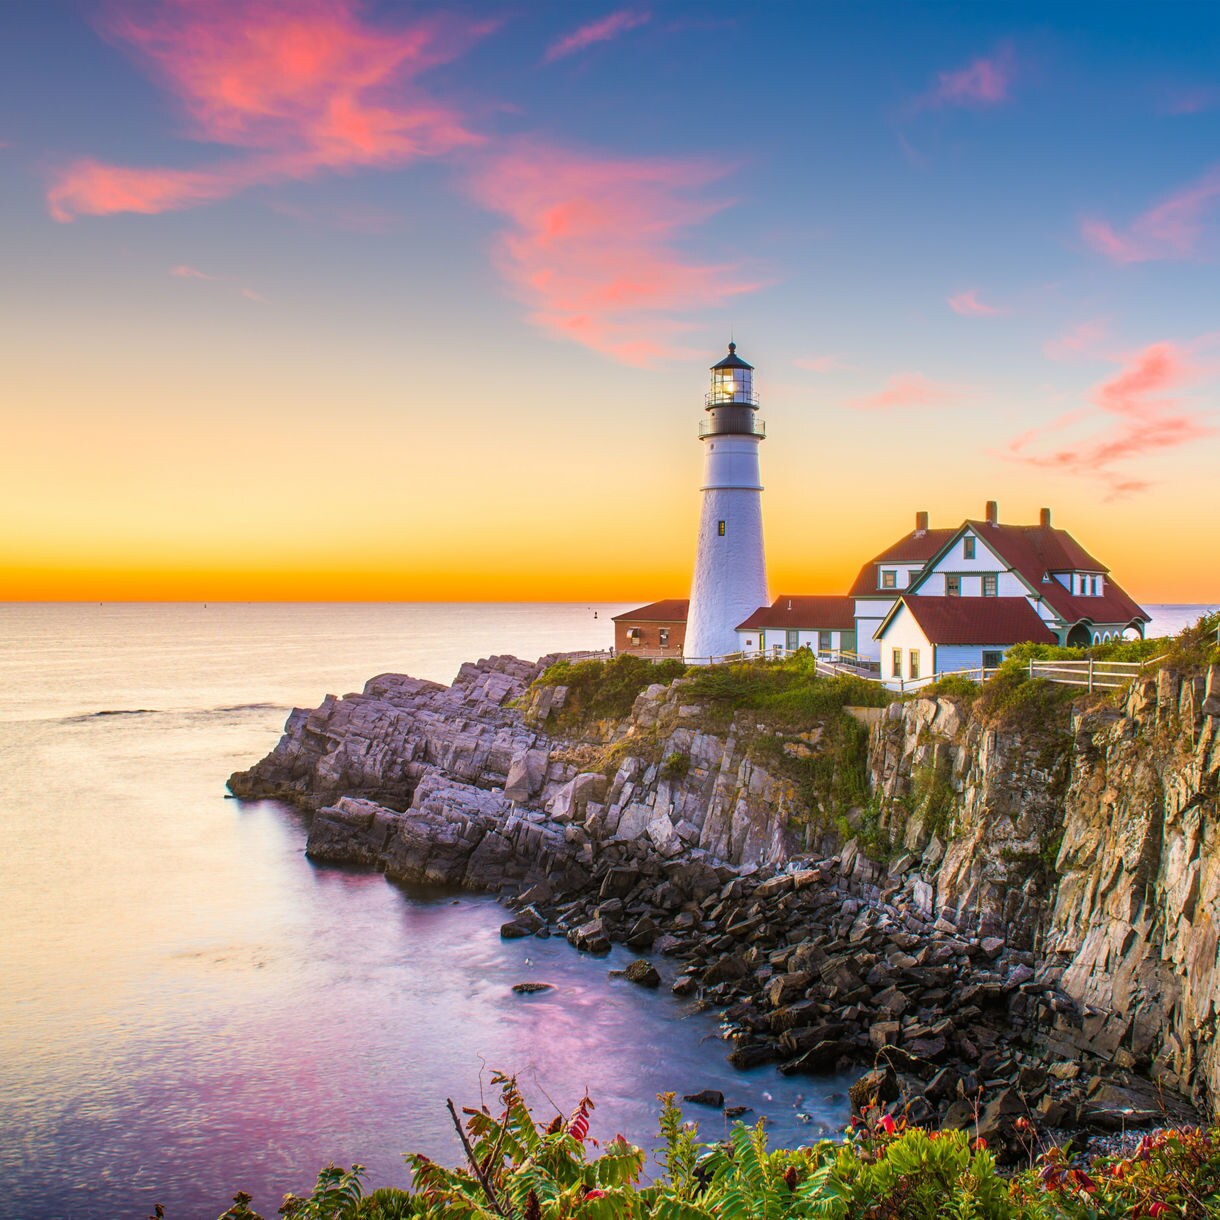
(706, 1097)
(531, 988)
(751, 1054)
(515, 930)
(874, 1088)
(643, 973)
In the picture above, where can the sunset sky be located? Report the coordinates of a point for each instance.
(327, 300)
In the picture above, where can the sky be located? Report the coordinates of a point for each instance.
(328, 300)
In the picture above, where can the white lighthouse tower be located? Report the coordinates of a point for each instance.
(730, 580)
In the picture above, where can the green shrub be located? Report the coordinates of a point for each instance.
(519, 1169)
(675, 766)
(603, 690)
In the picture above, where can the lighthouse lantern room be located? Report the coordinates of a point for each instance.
(730, 580)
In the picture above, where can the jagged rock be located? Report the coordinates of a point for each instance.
(590, 937)
(643, 972)
(874, 1088)
(706, 1097)
(1053, 896)
(532, 988)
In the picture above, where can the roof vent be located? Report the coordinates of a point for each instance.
(921, 524)
(789, 603)
(1046, 518)
(993, 513)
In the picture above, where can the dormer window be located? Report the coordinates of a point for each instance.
(968, 547)
(889, 579)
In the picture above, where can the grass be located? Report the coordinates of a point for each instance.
(602, 690)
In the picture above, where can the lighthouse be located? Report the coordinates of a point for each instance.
(730, 580)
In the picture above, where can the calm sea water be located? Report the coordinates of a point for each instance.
(190, 1007)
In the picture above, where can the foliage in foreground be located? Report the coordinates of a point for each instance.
(518, 1170)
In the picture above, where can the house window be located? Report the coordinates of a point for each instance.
(968, 547)
(720, 528)
(914, 663)
(633, 636)
(847, 641)
(991, 584)
(823, 641)
(897, 662)
(992, 660)
(953, 585)
(664, 637)
(1093, 586)
(889, 579)
(793, 641)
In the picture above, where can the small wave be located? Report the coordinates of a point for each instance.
(252, 707)
(119, 711)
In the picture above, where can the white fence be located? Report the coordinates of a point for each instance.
(1086, 672)
(1090, 673)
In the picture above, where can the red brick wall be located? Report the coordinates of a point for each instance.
(649, 641)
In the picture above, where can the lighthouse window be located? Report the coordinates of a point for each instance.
(720, 528)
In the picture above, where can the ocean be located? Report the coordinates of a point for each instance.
(190, 1007)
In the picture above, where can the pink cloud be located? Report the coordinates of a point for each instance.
(596, 31)
(1191, 101)
(300, 87)
(968, 305)
(1170, 230)
(1140, 415)
(593, 245)
(907, 390)
(251, 295)
(820, 364)
(182, 271)
(982, 82)
(1079, 341)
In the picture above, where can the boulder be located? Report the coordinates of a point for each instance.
(643, 973)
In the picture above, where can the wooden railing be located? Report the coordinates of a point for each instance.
(1086, 672)
(1089, 672)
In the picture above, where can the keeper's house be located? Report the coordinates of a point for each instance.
(939, 635)
(984, 562)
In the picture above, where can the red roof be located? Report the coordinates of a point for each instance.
(812, 613)
(1034, 550)
(671, 610)
(975, 620)
(916, 547)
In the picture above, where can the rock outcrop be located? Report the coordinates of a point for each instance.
(1036, 937)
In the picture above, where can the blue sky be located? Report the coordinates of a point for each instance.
(255, 248)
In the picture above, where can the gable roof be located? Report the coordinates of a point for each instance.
(1034, 550)
(671, 610)
(973, 620)
(916, 547)
(792, 613)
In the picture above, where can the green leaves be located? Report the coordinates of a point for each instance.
(519, 1170)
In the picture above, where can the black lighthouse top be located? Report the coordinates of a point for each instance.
(731, 401)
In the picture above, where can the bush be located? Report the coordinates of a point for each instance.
(603, 690)
(885, 1170)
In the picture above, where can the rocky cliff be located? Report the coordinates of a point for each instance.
(1024, 925)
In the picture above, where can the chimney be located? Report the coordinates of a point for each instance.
(993, 513)
(1046, 518)
(921, 524)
